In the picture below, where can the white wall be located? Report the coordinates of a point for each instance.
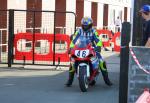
(16, 4)
(87, 8)
(48, 5)
(111, 17)
(71, 5)
(126, 3)
(70, 18)
(117, 13)
(129, 15)
(48, 17)
(100, 15)
(19, 16)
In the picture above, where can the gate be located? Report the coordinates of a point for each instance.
(39, 37)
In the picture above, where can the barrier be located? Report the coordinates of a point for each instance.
(138, 63)
(144, 97)
(105, 39)
(64, 57)
(116, 41)
(138, 74)
(28, 55)
(110, 40)
(20, 55)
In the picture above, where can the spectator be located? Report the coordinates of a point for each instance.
(145, 13)
(118, 24)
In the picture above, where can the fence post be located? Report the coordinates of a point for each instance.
(54, 40)
(0, 45)
(124, 62)
(11, 37)
(33, 42)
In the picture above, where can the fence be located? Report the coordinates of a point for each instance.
(37, 37)
(36, 33)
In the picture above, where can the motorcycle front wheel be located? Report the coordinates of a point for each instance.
(83, 79)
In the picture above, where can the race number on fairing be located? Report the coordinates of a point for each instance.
(81, 53)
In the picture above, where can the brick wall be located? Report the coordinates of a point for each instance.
(137, 78)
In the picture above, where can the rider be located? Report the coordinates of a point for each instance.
(92, 35)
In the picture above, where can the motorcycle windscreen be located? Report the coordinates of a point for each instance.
(82, 42)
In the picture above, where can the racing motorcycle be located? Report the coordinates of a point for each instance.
(85, 62)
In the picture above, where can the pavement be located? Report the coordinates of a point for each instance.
(47, 86)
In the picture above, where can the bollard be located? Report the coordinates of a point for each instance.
(124, 62)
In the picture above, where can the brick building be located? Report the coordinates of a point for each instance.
(103, 12)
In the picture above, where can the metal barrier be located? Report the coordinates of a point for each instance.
(27, 21)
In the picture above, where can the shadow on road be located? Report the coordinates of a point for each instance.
(43, 87)
(47, 86)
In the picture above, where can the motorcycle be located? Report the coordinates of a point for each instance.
(85, 62)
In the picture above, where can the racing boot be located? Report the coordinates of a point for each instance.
(71, 76)
(104, 71)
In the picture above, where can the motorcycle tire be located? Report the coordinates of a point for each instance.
(83, 80)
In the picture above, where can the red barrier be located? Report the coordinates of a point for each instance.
(63, 56)
(106, 43)
(19, 55)
(48, 56)
(115, 39)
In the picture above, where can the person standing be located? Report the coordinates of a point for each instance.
(145, 13)
(118, 24)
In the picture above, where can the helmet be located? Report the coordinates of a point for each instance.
(145, 8)
(86, 23)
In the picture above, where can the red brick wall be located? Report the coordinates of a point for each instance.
(79, 11)
(125, 13)
(60, 5)
(34, 5)
(3, 15)
(3, 23)
(105, 17)
(94, 13)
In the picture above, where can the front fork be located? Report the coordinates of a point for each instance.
(86, 66)
(78, 65)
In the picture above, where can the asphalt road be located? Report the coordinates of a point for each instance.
(46, 86)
